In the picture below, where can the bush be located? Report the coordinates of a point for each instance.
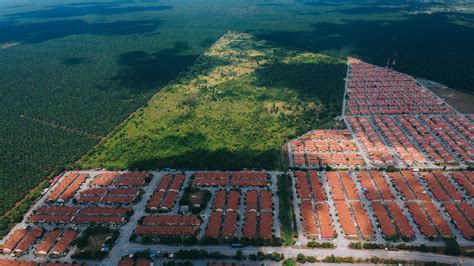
(275, 256)
(252, 257)
(301, 258)
(311, 259)
(367, 245)
(88, 255)
(208, 241)
(355, 245)
(189, 241)
(185, 199)
(239, 255)
(452, 248)
(147, 239)
(289, 262)
(314, 244)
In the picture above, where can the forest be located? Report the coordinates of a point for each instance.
(72, 71)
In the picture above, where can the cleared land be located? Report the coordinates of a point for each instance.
(460, 100)
(234, 108)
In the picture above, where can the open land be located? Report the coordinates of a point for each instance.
(233, 109)
(458, 99)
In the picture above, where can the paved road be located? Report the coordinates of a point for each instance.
(124, 247)
(126, 231)
(319, 253)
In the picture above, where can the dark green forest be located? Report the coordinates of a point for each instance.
(71, 71)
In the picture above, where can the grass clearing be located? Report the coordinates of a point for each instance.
(95, 243)
(233, 109)
(287, 215)
(196, 198)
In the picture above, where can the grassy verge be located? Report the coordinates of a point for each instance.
(286, 216)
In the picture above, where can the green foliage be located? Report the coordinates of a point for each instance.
(89, 255)
(175, 240)
(286, 215)
(186, 198)
(452, 248)
(274, 242)
(314, 244)
(275, 256)
(366, 245)
(300, 258)
(195, 254)
(221, 114)
(31, 152)
(208, 241)
(89, 251)
(16, 215)
(355, 245)
(372, 260)
(289, 262)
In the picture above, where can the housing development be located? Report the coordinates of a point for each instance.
(398, 172)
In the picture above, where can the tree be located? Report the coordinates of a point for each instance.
(253, 257)
(239, 255)
(301, 258)
(452, 247)
(147, 239)
(289, 262)
(275, 256)
(311, 259)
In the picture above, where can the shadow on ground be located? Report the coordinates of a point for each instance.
(309, 80)
(74, 61)
(202, 159)
(83, 9)
(142, 71)
(417, 43)
(45, 31)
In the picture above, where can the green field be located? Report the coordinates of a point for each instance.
(71, 71)
(234, 108)
(286, 215)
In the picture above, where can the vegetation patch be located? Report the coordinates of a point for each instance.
(451, 248)
(286, 215)
(195, 254)
(195, 198)
(95, 243)
(233, 109)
